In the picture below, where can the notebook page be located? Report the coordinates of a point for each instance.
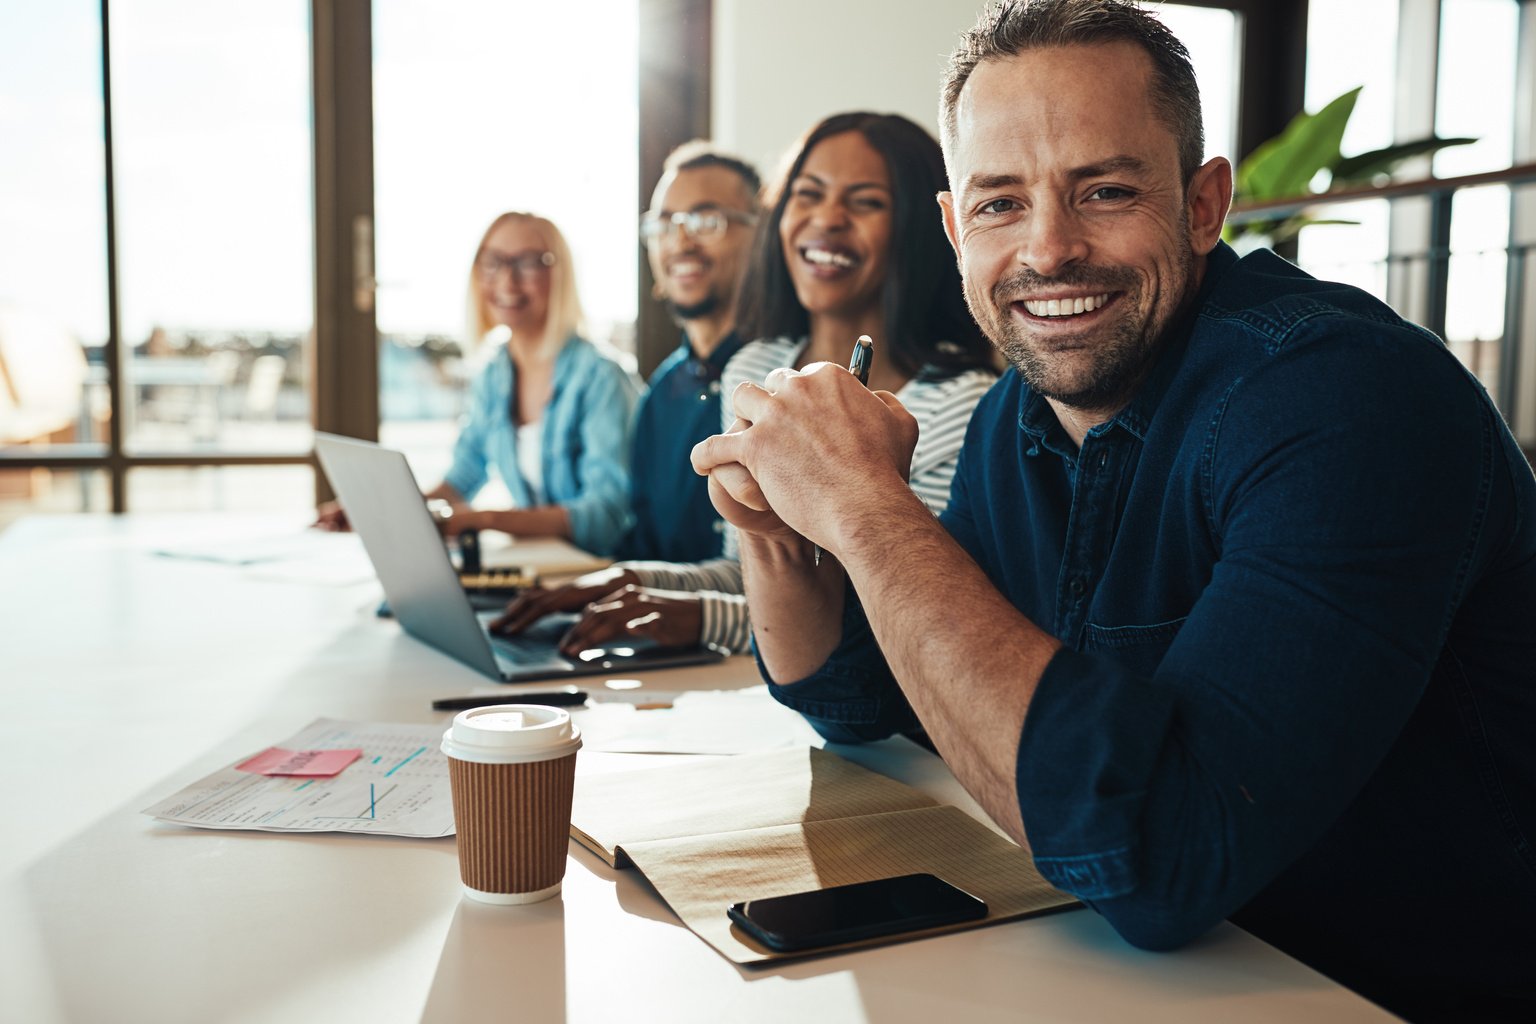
(729, 794)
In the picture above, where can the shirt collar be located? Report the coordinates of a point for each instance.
(713, 365)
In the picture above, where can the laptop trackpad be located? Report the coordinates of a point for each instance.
(542, 639)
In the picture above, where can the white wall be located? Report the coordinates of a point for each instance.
(782, 65)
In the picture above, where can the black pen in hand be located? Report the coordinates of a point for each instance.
(863, 357)
(558, 699)
(858, 365)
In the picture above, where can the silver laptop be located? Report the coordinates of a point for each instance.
(385, 507)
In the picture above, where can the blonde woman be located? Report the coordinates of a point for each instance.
(549, 412)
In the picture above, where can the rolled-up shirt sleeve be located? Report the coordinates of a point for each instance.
(852, 697)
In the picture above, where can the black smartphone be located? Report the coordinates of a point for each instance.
(847, 913)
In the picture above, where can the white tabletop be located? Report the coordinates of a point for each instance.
(127, 675)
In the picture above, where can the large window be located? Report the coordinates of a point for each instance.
(184, 187)
(214, 218)
(1448, 69)
(53, 283)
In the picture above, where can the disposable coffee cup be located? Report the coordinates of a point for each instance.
(513, 770)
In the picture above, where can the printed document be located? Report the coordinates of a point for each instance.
(398, 787)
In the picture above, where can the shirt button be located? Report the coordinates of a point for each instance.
(1103, 459)
(1077, 586)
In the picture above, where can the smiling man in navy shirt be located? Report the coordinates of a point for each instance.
(1232, 613)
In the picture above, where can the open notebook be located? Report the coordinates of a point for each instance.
(713, 832)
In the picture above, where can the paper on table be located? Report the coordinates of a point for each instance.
(728, 795)
(234, 545)
(339, 564)
(399, 787)
(699, 722)
(699, 877)
(297, 555)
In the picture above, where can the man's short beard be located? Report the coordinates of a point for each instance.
(704, 307)
(1117, 367)
(1121, 358)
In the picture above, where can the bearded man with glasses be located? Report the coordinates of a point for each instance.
(697, 234)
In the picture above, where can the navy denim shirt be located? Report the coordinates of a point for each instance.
(674, 518)
(1296, 583)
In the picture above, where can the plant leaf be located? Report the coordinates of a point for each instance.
(1361, 169)
(1285, 165)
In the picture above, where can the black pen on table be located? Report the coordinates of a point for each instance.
(858, 365)
(558, 699)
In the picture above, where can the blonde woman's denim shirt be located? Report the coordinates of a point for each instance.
(1295, 581)
(587, 431)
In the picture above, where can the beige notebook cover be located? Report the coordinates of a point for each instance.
(711, 833)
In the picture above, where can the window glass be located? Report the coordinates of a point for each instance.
(221, 489)
(53, 248)
(1476, 99)
(481, 107)
(1351, 45)
(1213, 41)
(27, 491)
(215, 223)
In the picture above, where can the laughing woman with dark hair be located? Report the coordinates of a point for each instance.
(854, 245)
(860, 247)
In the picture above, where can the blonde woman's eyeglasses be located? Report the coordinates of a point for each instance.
(522, 266)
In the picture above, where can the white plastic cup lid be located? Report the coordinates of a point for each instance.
(511, 734)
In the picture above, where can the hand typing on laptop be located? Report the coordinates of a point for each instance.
(536, 602)
(613, 607)
(425, 592)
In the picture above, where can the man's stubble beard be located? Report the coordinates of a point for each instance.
(704, 307)
(1119, 360)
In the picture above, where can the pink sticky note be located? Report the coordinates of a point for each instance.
(277, 761)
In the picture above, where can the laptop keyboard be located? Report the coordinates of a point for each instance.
(538, 643)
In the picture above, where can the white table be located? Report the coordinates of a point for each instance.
(127, 675)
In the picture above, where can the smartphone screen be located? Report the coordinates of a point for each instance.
(847, 913)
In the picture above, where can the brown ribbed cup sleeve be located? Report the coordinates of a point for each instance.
(513, 822)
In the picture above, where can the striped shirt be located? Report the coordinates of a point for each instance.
(940, 401)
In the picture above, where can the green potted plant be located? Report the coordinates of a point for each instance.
(1305, 155)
